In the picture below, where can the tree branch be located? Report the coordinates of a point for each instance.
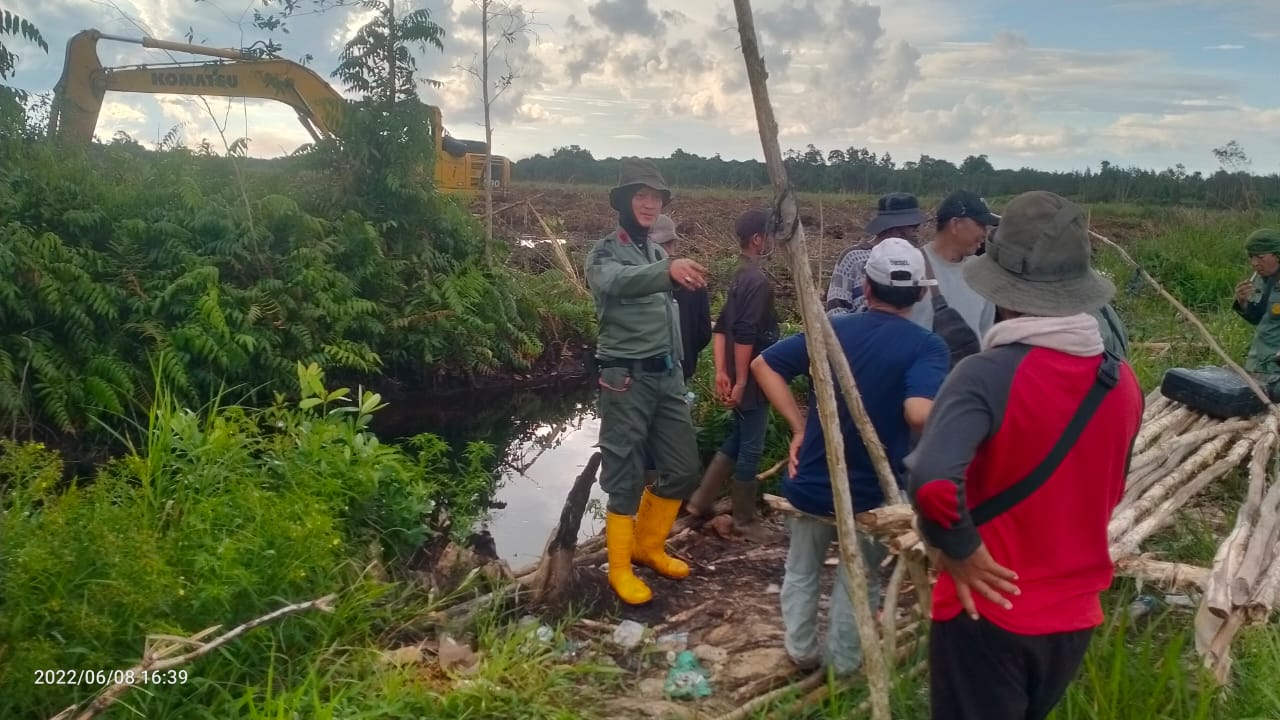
(157, 659)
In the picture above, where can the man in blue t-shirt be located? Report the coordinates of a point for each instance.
(898, 367)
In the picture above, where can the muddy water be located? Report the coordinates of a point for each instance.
(542, 439)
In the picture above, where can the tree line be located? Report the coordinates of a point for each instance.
(860, 170)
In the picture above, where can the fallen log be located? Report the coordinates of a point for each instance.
(1166, 443)
(1132, 539)
(1141, 480)
(1123, 521)
(1258, 555)
(1167, 575)
(1230, 553)
(1198, 437)
(1149, 432)
(553, 576)
(1155, 404)
(1267, 593)
(884, 521)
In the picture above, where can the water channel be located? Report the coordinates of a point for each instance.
(542, 440)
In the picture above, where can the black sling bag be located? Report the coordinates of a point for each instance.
(1108, 378)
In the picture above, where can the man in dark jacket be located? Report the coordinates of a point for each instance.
(694, 303)
(746, 326)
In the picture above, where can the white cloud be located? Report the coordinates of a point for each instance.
(620, 77)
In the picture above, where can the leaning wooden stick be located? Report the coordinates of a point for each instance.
(1204, 332)
(158, 660)
(789, 232)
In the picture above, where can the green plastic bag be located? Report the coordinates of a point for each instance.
(687, 679)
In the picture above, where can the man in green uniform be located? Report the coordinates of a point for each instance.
(642, 391)
(1257, 302)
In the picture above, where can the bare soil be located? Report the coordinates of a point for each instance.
(729, 608)
(579, 215)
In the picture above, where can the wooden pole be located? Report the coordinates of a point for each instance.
(787, 230)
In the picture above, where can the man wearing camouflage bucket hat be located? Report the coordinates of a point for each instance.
(1259, 304)
(642, 391)
(1018, 471)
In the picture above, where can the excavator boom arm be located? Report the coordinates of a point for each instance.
(79, 93)
(78, 96)
(311, 97)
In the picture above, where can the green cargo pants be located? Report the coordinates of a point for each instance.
(640, 409)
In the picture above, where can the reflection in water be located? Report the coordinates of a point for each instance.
(534, 482)
(541, 439)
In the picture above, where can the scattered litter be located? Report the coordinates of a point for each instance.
(628, 634)
(773, 588)
(545, 633)
(687, 679)
(1180, 600)
(673, 642)
(1143, 605)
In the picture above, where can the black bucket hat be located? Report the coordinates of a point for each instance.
(637, 172)
(898, 209)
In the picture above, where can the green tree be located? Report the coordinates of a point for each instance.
(378, 62)
(13, 26)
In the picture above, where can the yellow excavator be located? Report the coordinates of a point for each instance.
(459, 164)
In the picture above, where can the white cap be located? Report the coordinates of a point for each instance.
(895, 255)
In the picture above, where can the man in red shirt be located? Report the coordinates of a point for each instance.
(1021, 463)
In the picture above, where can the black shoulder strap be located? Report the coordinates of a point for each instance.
(1108, 377)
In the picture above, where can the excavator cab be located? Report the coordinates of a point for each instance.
(78, 96)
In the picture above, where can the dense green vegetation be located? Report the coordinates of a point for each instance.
(859, 170)
(222, 515)
(341, 257)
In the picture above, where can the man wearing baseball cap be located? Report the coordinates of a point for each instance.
(898, 367)
(955, 310)
(1018, 471)
(747, 325)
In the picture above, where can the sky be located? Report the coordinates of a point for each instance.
(1051, 85)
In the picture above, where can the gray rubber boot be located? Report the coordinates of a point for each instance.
(745, 518)
(703, 500)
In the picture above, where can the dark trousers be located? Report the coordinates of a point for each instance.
(979, 671)
(745, 443)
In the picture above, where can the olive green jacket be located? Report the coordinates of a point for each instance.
(1263, 310)
(634, 298)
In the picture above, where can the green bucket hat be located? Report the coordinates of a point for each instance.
(636, 172)
(1038, 261)
(1263, 241)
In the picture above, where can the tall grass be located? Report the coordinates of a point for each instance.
(218, 517)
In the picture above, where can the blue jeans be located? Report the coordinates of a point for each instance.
(745, 443)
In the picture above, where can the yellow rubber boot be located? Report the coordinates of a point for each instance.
(619, 537)
(653, 523)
